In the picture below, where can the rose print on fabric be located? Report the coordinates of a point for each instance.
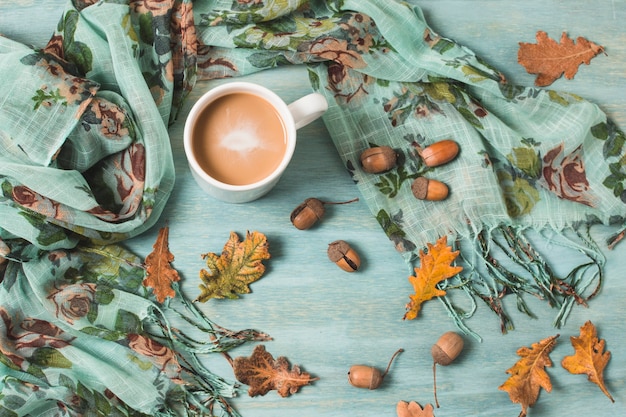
(122, 192)
(73, 301)
(562, 174)
(131, 177)
(55, 47)
(161, 356)
(252, 2)
(565, 176)
(348, 87)
(211, 66)
(27, 341)
(8, 352)
(155, 7)
(358, 34)
(184, 47)
(68, 89)
(39, 203)
(110, 119)
(337, 51)
(67, 48)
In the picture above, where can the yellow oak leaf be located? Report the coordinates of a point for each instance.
(435, 266)
(413, 409)
(528, 375)
(549, 59)
(589, 357)
(159, 272)
(239, 264)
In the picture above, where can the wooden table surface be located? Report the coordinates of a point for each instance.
(326, 320)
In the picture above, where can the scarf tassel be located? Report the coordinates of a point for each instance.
(506, 262)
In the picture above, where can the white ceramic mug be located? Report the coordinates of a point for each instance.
(294, 116)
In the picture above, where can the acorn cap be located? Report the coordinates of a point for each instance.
(317, 205)
(337, 250)
(440, 357)
(447, 348)
(419, 187)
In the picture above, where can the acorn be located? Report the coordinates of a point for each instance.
(363, 376)
(439, 153)
(310, 211)
(428, 189)
(341, 253)
(444, 352)
(378, 159)
(447, 348)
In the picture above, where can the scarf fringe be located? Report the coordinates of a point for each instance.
(203, 393)
(505, 261)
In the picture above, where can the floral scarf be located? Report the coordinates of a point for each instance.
(86, 163)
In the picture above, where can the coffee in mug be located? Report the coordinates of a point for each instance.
(239, 138)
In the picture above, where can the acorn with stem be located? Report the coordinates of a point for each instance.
(444, 352)
(363, 376)
(310, 211)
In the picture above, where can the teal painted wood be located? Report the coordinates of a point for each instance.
(327, 320)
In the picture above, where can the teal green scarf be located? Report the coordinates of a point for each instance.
(86, 163)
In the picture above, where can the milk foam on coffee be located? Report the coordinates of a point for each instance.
(239, 139)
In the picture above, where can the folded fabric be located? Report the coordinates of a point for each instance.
(86, 163)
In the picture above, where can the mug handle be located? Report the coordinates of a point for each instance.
(307, 109)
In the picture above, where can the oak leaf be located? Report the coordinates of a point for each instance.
(549, 59)
(589, 357)
(435, 266)
(239, 264)
(159, 272)
(528, 375)
(413, 409)
(262, 373)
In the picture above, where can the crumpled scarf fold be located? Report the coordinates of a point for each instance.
(87, 162)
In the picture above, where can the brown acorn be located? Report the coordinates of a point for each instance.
(346, 258)
(378, 159)
(363, 376)
(447, 348)
(310, 211)
(444, 352)
(428, 189)
(439, 153)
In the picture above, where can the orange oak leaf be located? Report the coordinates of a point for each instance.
(413, 409)
(239, 264)
(528, 375)
(589, 357)
(549, 59)
(262, 373)
(159, 272)
(435, 266)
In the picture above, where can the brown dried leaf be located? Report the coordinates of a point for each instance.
(549, 59)
(262, 373)
(435, 266)
(589, 357)
(159, 272)
(528, 375)
(413, 409)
